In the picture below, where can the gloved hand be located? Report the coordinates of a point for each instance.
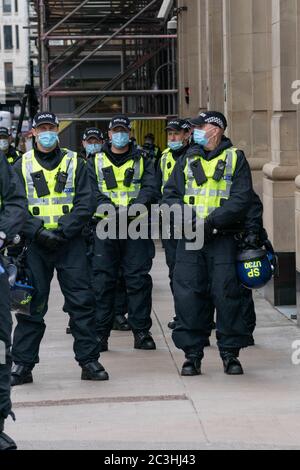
(251, 241)
(50, 239)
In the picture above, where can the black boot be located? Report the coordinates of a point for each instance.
(94, 371)
(232, 365)
(121, 323)
(103, 338)
(143, 340)
(192, 365)
(21, 375)
(6, 442)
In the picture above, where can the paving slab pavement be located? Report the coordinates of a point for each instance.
(146, 404)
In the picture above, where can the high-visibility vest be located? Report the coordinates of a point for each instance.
(167, 163)
(52, 207)
(121, 195)
(207, 197)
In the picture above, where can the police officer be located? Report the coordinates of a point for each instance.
(92, 142)
(214, 179)
(153, 151)
(179, 132)
(13, 212)
(9, 151)
(122, 176)
(59, 199)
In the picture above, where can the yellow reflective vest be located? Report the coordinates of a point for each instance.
(207, 197)
(52, 207)
(167, 163)
(121, 195)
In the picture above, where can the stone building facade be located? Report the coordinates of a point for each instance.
(242, 57)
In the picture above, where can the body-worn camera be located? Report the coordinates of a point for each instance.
(40, 184)
(109, 177)
(198, 172)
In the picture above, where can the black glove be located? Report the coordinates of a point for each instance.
(251, 241)
(52, 240)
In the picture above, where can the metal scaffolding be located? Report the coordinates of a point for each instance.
(99, 57)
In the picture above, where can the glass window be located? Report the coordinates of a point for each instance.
(6, 6)
(16, 6)
(8, 73)
(8, 40)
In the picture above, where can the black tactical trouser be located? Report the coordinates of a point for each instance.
(5, 342)
(121, 302)
(203, 277)
(70, 263)
(170, 247)
(134, 258)
(249, 309)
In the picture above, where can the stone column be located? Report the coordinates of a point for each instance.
(192, 57)
(247, 77)
(280, 173)
(261, 90)
(215, 62)
(238, 71)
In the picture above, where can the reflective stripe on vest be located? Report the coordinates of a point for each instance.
(167, 164)
(53, 206)
(121, 195)
(208, 196)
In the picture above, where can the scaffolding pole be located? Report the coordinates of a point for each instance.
(129, 34)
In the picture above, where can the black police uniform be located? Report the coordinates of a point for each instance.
(170, 245)
(134, 257)
(70, 263)
(121, 301)
(210, 273)
(13, 213)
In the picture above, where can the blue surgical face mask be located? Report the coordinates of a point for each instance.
(47, 139)
(200, 137)
(177, 145)
(92, 149)
(120, 139)
(4, 144)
